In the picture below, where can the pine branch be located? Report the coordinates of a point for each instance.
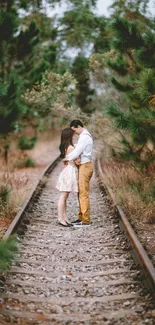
(121, 87)
(131, 57)
(126, 141)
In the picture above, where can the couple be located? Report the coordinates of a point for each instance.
(76, 175)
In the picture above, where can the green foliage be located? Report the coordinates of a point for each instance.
(126, 34)
(54, 92)
(23, 59)
(29, 163)
(102, 35)
(78, 26)
(4, 194)
(43, 23)
(146, 193)
(145, 85)
(9, 21)
(26, 143)
(147, 51)
(38, 4)
(130, 8)
(130, 63)
(119, 65)
(152, 191)
(11, 105)
(34, 45)
(121, 86)
(27, 40)
(81, 73)
(136, 186)
(122, 119)
(7, 250)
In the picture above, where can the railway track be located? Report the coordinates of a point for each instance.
(65, 276)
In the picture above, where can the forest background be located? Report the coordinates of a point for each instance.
(54, 68)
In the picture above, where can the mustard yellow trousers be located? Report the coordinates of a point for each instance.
(84, 176)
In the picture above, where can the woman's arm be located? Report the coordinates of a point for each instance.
(69, 150)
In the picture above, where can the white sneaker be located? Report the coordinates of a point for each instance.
(81, 224)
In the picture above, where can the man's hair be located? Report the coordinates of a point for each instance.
(75, 123)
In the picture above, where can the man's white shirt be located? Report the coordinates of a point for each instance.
(83, 148)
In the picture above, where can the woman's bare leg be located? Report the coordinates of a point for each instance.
(65, 207)
(62, 207)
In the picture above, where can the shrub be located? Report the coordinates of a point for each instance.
(7, 250)
(4, 194)
(22, 163)
(27, 144)
(29, 163)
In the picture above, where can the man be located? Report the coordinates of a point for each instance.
(83, 149)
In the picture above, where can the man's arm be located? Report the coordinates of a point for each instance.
(81, 144)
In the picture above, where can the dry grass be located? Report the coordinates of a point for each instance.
(15, 200)
(20, 181)
(133, 190)
(18, 189)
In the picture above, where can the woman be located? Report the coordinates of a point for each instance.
(67, 181)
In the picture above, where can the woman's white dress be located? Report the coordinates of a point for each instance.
(68, 178)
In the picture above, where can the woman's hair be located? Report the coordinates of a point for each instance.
(66, 141)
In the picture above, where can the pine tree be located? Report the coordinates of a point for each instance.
(130, 63)
(37, 47)
(80, 70)
(101, 41)
(80, 29)
(32, 45)
(23, 60)
(130, 8)
(78, 25)
(11, 104)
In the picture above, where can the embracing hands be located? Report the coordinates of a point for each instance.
(65, 162)
(77, 161)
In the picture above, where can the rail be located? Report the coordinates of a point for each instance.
(141, 254)
(14, 224)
